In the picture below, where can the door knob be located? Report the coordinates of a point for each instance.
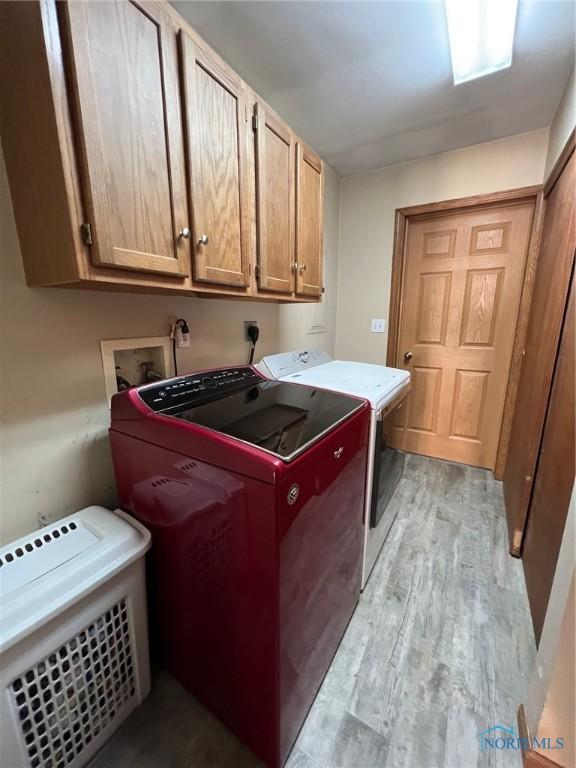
(408, 356)
(203, 240)
(185, 233)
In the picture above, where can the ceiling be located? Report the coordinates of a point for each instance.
(369, 84)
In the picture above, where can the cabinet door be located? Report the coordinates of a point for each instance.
(275, 171)
(309, 209)
(125, 89)
(215, 108)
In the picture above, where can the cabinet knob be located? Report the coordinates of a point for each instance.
(294, 267)
(203, 240)
(185, 233)
(408, 356)
(339, 452)
(302, 268)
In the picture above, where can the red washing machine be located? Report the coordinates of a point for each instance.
(253, 491)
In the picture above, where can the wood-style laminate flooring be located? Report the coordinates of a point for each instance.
(440, 647)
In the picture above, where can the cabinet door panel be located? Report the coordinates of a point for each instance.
(275, 191)
(126, 96)
(309, 209)
(215, 108)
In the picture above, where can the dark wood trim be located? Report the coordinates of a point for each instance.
(558, 167)
(474, 201)
(530, 757)
(556, 262)
(520, 338)
(412, 213)
(396, 286)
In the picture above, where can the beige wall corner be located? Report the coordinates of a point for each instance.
(367, 211)
(562, 124)
(300, 325)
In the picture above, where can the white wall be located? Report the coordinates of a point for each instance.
(559, 713)
(550, 702)
(367, 207)
(297, 321)
(563, 123)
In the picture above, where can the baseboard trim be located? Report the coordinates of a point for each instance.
(530, 757)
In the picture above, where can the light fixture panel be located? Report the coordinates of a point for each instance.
(481, 34)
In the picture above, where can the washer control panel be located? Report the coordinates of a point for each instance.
(197, 388)
(287, 363)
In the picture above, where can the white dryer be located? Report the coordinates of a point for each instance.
(385, 389)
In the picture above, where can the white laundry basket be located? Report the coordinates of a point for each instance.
(73, 638)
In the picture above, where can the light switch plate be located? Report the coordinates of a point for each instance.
(378, 325)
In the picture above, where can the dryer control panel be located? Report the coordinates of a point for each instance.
(287, 363)
(197, 388)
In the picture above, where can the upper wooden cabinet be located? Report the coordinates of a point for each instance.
(215, 108)
(125, 96)
(309, 205)
(289, 194)
(135, 165)
(275, 199)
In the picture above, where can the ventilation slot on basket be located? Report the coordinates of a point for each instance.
(11, 556)
(160, 481)
(42, 553)
(72, 695)
(189, 467)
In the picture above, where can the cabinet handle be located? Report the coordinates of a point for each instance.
(203, 240)
(185, 233)
(339, 452)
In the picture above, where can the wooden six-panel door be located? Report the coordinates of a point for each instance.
(462, 285)
(309, 203)
(127, 109)
(215, 109)
(275, 178)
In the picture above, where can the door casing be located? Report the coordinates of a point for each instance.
(458, 205)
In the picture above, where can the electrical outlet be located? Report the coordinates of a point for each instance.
(378, 325)
(247, 324)
(182, 337)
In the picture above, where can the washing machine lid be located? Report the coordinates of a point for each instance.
(281, 418)
(376, 383)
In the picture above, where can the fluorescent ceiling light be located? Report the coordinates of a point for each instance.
(481, 36)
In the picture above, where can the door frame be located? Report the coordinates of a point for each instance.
(404, 216)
